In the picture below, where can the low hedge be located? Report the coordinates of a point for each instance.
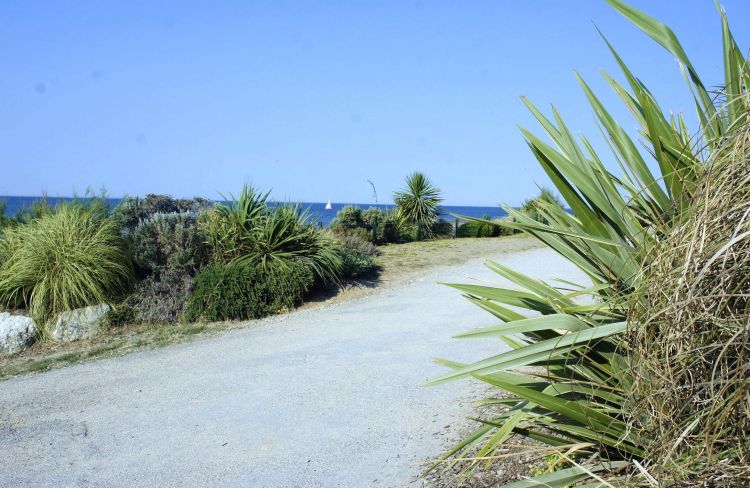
(240, 292)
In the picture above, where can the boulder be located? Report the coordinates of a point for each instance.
(16, 332)
(80, 323)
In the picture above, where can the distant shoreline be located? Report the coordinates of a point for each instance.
(15, 203)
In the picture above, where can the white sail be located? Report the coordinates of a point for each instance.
(329, 206)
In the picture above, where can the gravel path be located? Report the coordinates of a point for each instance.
(323, 397)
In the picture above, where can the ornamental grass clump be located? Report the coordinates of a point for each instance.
(66, 259)
(690, 333)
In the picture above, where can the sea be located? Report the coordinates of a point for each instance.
(317, 209)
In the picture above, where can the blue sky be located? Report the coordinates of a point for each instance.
(312, 99)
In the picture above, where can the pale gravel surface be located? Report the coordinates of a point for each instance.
(328, 396)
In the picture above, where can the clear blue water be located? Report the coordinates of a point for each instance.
(15, 203)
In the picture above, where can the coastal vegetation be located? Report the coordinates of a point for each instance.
(161, 261)
(640, 377)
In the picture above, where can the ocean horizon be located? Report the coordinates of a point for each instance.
(14, 203)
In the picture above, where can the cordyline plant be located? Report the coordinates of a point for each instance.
(418, 203)
(568, 374)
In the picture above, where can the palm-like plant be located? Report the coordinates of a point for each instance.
(287, 234)
(249, 230)
(574, 400)
(418, 203)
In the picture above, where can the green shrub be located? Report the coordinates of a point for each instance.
(5, 221)
(240, 292)
(168, 241)
(356, 264)
(349, 217)
(160, 299)
(442, 229)
(63, 260)
(120, 316)
(394, 229)
(475, 228)
(372, 217)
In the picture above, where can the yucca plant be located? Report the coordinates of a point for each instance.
(228, 227)
(568, 371)
(287, 235)
(63, 260)
(418, 203)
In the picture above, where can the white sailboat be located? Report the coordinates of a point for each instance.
(328, 205)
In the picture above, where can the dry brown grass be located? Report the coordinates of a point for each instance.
(691, 347)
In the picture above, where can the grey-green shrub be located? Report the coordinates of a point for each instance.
(355, 240)
(160, 299)
(168, 241)
(132, 210)
(64, 260)
(240, 292)
(357, 254)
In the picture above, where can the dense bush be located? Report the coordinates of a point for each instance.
(120, 316)
(442, 229)
(239, 292)
(394, 229)
(132, 210)
(168, 241)
(474, 228)
(356, 264)
(160, 299)
(354, 240)
(63, 260)
(349, 217)
(5, 221)
(357, 254)
(372, 217)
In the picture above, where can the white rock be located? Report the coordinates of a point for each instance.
(16, 332)
(81, 323)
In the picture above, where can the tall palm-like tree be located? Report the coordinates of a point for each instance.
(418, 202)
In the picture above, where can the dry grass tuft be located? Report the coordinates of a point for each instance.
(691, 347)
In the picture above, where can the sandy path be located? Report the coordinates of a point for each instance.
(322, 397)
